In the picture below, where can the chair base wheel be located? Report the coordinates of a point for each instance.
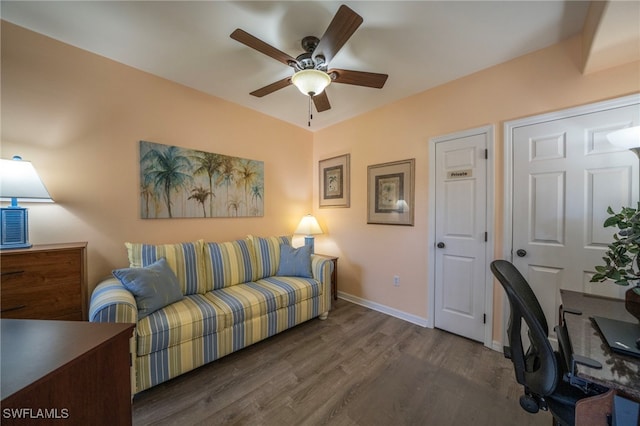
(529, 403)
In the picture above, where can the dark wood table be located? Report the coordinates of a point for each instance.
(69, 371)
(620, 372)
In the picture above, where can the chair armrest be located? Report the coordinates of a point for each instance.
(570, 360)
(112, 302)
(588, 362)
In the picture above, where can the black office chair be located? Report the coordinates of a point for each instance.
(547, 376)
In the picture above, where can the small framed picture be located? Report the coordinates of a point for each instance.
(334, 181)
(390, 193)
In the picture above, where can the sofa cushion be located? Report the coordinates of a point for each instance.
(229, 263)
(154, 286)
(192, 317)
(251, 300)
(291, 290)
(267, 254)
(184, 259)
(245, 301)
(295, 262)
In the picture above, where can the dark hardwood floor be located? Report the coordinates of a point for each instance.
(359, 367)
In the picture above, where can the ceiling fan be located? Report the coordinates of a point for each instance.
(311, 73)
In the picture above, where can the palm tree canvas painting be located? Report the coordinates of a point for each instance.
(178, 182)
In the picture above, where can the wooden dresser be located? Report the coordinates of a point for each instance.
(65, 372)
(44, 282)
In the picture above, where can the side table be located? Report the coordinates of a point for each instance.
(334, 274)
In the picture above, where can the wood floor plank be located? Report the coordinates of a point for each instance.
(359, 367)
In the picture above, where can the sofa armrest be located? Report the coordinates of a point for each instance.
(112, 302)
(321, 269)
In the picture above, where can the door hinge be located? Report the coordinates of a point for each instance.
(486, 237)
(484, 318)
(486, 154)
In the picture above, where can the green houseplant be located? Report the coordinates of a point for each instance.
(622, 259)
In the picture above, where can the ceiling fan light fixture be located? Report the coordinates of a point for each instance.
(311, 82)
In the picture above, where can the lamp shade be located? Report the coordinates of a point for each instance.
(19, 179)
(311, 82)
(628, 137)
(308, 226)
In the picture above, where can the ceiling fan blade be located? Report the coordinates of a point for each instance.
(341, 28)
(262, 47)
(280, 84)
(321, 101)
(358, 78)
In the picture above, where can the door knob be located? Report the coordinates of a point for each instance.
(521, 253)
(440, 245)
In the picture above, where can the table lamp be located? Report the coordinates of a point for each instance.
(18, 181)
(309, 227)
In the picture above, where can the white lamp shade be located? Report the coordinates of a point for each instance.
(308, 226)
(19, 179)
(311, 82)
(626, 138)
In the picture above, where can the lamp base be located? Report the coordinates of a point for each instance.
(309, 241)
(14, 228)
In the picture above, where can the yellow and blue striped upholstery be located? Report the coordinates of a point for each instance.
(256, 299)
(290, 290)
(194, 316)
(112, 302)
(267, 254)
(227, 264)
(162, 365)
(200, 315)
(211, 324)
(185, 259)
(242, 302)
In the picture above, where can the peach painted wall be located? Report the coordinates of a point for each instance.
(78, 117)
(540, 82)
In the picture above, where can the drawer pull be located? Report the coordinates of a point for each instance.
(4, 274)
(14, 308)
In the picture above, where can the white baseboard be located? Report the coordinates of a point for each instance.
(414, 319)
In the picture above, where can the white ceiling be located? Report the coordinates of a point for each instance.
(420, 44)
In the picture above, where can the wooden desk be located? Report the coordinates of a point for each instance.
(70, 371)
(619, 372)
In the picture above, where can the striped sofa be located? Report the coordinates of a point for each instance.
(232, 299)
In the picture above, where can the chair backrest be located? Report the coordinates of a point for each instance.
(537, 368)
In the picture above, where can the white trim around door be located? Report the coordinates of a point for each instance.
(489, 131)
(509, 129)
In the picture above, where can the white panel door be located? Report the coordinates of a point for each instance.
(565, 175)
(460, 234)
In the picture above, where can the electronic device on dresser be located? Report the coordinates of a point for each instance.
(44, 282)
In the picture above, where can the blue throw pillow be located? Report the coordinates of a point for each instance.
(295, 262)
(154, 286)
